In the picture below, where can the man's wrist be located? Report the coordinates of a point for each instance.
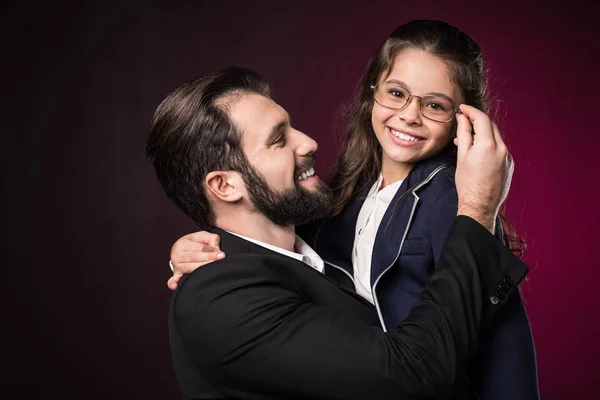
(486, 218)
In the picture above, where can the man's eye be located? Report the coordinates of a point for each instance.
(279, 141)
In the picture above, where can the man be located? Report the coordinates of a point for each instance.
(264, 323)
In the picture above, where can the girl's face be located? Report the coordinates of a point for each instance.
(405, 135)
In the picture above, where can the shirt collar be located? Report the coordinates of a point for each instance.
(303, 253)
(392, 187)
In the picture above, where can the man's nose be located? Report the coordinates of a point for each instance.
(305, 145)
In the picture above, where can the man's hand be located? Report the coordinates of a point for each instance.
(192, 251)
(484, 167)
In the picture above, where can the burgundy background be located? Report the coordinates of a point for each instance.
(88, 229)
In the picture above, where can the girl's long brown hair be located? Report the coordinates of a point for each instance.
(359, 164)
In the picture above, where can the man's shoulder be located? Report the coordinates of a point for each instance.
(229, 277)
(240, 267)
(238, 264)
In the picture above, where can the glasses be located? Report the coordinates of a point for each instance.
(396, 97)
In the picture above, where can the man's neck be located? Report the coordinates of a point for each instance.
(258, 227)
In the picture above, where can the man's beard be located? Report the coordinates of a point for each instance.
(294, 206)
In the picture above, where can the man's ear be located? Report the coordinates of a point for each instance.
(226, 186)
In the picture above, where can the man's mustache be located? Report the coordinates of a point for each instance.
(306, 164)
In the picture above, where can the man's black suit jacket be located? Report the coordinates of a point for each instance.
(260, 325)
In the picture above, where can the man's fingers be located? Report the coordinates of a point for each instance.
(482, 124)
(464, 139)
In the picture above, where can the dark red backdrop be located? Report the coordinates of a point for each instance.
(88, 229)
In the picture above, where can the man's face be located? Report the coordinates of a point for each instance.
(280, 180)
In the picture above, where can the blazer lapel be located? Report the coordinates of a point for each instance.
(398, 217)
(394, 224)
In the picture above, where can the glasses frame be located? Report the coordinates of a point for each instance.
(408, 100)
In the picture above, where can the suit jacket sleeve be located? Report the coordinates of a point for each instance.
(253, 335)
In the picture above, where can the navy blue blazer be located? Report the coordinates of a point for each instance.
(407, 246)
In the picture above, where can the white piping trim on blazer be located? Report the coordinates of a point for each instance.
(341, 269)
(373, 291)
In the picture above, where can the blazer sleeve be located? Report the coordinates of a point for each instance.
(505, 364)
(254, 336)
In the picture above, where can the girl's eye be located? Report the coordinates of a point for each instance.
(436, 106)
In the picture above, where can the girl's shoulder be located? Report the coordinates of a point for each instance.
(445, 177)
(441, 188)
(436, 172)
(440, 178)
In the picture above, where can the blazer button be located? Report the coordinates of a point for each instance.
(507, 280)
(494, 300)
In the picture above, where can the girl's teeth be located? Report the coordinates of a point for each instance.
(404, 136)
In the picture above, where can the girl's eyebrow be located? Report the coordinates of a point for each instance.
(437, 94)
(396, 81)
(404, 85)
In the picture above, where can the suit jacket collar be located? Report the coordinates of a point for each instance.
(232, 244)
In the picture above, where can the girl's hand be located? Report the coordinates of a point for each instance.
(192, 251)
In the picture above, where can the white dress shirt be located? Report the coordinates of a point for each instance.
(304, 252)
(367, 224)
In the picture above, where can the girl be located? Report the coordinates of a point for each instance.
(396, 199)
